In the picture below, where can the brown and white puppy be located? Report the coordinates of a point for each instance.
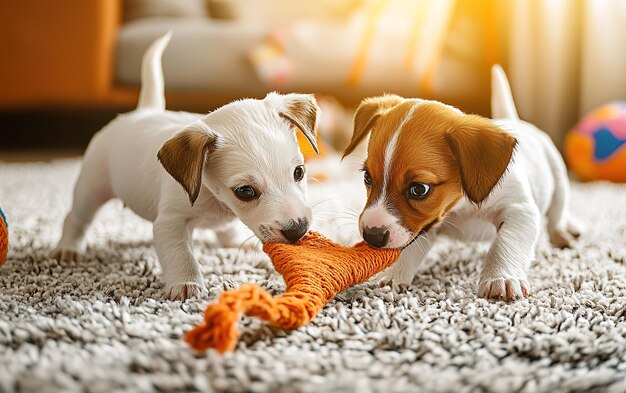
(432, 169)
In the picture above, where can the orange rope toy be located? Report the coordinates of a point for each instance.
(315, 269)
(4, 237)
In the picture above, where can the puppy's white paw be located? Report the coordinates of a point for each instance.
(66, 254)
(561, 238)
(575, 227)
(503, 288)
(395, 279)
(186, 290)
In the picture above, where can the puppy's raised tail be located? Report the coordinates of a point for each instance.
(502, 104)
(152, 94)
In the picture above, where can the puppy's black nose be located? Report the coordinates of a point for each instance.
(295, 230)
(376, 236)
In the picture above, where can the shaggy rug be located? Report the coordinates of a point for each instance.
(101, 325)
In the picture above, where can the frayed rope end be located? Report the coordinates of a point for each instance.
(218, 331)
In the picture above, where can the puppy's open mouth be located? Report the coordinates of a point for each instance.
(422, 232)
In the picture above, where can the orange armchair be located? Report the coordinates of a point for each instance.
(59, 53)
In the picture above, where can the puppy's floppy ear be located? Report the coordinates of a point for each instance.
(302, 111)
(483, 152)
(183, 157)
(366, 115)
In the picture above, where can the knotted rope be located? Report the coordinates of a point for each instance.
(315, 269)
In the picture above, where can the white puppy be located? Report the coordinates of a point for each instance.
(432, 169)
(240, 161)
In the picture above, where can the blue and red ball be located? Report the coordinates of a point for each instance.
(596, 147)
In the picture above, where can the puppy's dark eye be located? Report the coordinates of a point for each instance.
(245, 193)
(418, 190)
(367, 179)
(298, 173)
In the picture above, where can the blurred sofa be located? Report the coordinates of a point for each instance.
(76, 54)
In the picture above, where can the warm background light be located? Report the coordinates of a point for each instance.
(563, 57)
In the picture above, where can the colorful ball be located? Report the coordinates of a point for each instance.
(595, 148)
(4, 237)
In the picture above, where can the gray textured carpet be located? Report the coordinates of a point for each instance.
(101, 326)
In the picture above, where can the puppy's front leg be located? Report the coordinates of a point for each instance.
(504, 272)
(404, 269)
(172, 239)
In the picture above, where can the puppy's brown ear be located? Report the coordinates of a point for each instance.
(183, 157)
(366, 115)
(483, 152)
(302, 111)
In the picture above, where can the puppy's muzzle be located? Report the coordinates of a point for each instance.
(294, 230)
(376, 236)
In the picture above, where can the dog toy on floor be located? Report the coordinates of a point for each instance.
(596, 147)
(315, 269)
(4, 237)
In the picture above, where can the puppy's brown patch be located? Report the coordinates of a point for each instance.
(452, 152)
(304, 115)
(183, 157)
(421, 155)
(483, 152)
(367, 114)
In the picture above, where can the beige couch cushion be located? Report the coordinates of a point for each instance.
(203, 55)
(137, 9)
(283, 11)
(211, 56)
